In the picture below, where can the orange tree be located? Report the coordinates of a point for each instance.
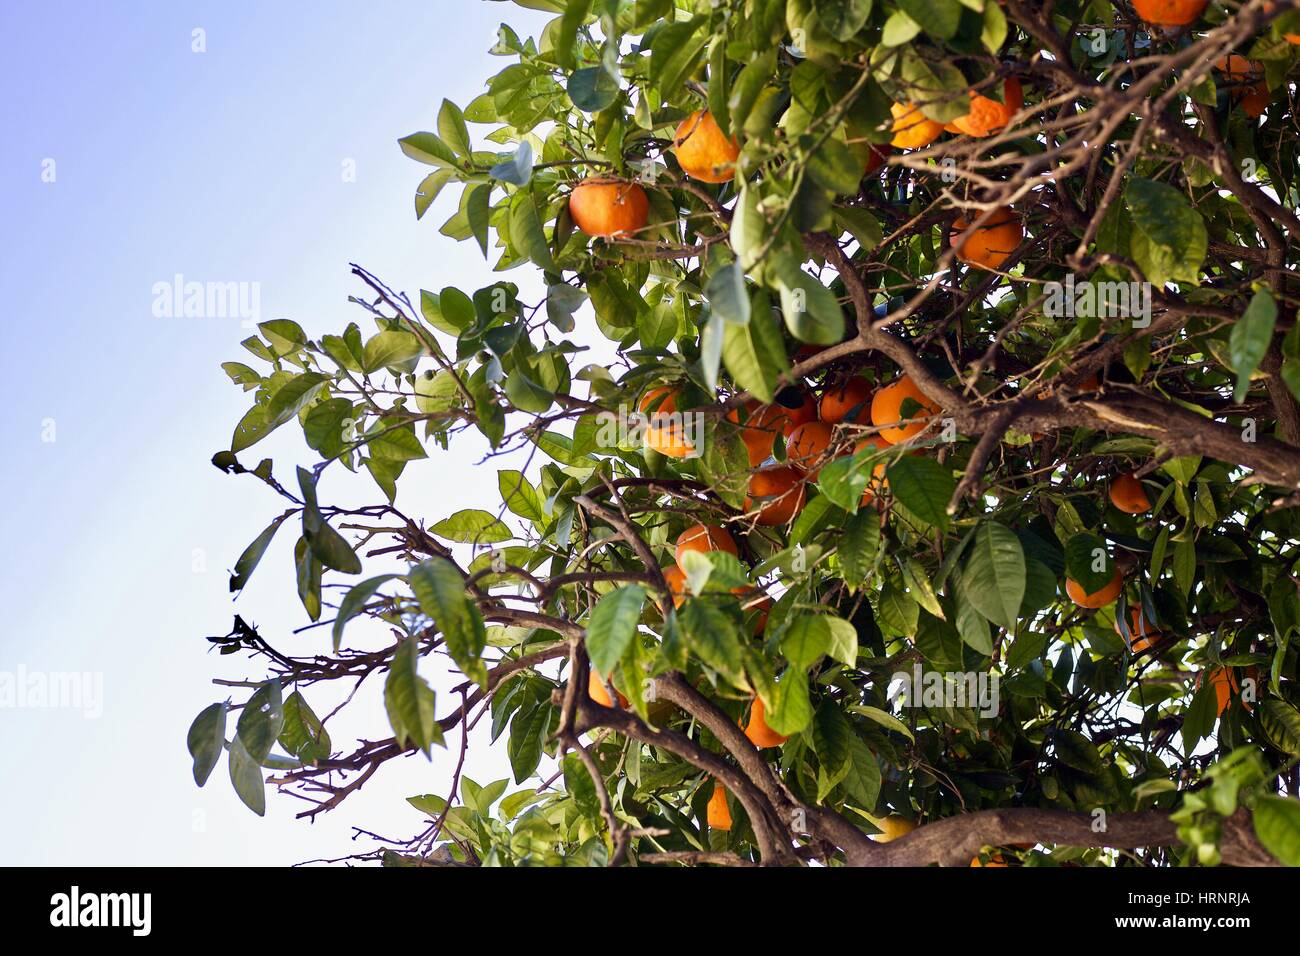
(938, 505)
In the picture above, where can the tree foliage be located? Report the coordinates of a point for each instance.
(1140, 321)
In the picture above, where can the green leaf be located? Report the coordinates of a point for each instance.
(994, 33)
(843, 18)
(303, 735)
(1277, 824)
(806, 641)
(812, 313)
(396, 443)
(861, 224)
(246, 778)
(924, 487)
(294, 395)
(526, 232)
(748, 229)
(884, 719)
(261, 720)
(252, 556)
(863, 779)
(754, 353)
(1198, 720)
(832, 742)
(1281, 723)
(674, 53)
(843, 480)
(843, 640)
(454, 310)
(409, 700)
(859, 544)
(520, 496)
(452, 128)
(1250, 338)
(285, 335)
(206, 739)
(592, 89)
(834, 167)
(473, 526)
(429, 188)
(899, 29)
(333, 549)
(1088, 561)
(428, 148)
(712, 635)
(354, 601)
(1075, 750)
(727, 294)
(792, 710)
(579, 785)
(324, 426)
(1169, 239)
(287, 401)
(527, 735)
(939, 18)
(716, 568)
(440, 589)
(994, 577)
(612, 626)
(389, 349)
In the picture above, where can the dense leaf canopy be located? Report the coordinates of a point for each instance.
(965, 330)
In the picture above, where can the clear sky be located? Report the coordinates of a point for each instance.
(127, 159)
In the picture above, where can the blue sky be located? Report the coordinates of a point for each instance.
(222, 166)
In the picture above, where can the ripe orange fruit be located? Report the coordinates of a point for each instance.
(848, 400)
(878, 482)
(609, 207)
(596, 691)
(703, 538)
(987, 115)
(887, 411)
(719, 813)
(1245, 81)
(676, 582)
(912, 129)
(757, 730)
(661, 399)
(1142, 633)
(760, 429)
(1128, 495)
(1169, 13)
(992, 243)
(703, 152)
(777, 493)
(668, 440)
(893, 827)
(666, 437)
(807, 447)
(995, 859)
(1225, 685)
(806, 412)
(1096, 599)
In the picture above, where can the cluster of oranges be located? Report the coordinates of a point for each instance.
(704, 539)
(777, 492)
(612, 208)
(1128, 494)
